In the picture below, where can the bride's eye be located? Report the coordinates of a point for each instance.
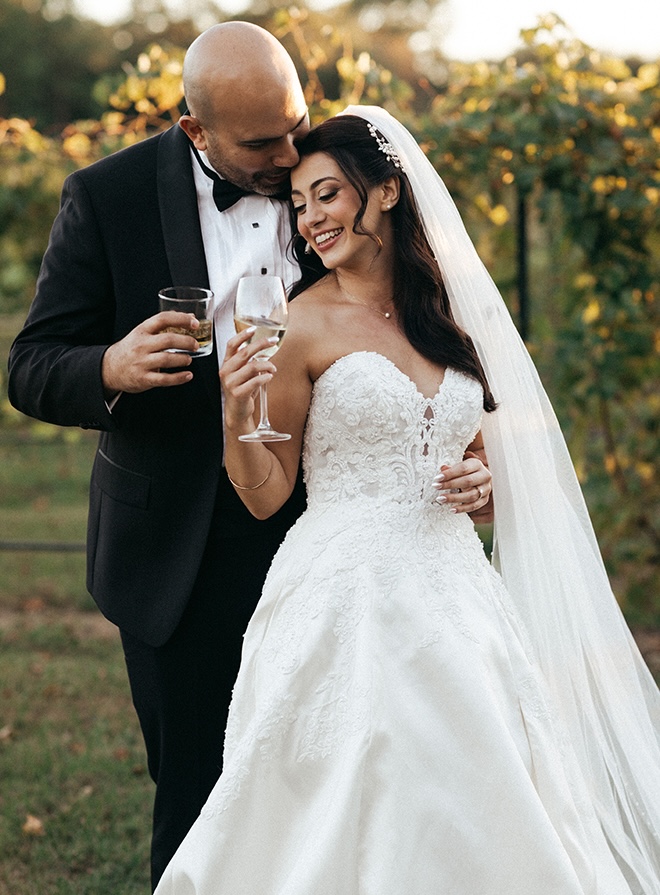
(328, 197)
(299, 209)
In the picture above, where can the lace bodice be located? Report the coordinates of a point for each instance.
(372, 435)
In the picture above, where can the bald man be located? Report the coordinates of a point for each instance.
(174, 558)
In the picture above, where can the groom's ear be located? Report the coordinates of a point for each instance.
(194, 130)
(390, 193)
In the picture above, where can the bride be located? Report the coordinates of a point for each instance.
(407, 720)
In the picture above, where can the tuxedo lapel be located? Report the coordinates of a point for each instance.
(177, 199)
(182, 233)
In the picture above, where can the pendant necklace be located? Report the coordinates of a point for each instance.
(386, 314)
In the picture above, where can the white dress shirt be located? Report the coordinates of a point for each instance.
(247, 239)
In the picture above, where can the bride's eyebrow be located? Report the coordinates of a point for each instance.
(316, 183)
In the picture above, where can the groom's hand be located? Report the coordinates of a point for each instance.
(136, 363)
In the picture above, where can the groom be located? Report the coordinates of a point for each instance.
(174, 558)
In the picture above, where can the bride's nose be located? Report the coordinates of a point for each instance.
(314, 214)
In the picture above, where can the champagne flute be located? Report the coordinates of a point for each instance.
(261, 302)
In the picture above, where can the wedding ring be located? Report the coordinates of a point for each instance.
(481, 492)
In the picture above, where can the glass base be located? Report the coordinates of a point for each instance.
(204, 351)
(265, 435)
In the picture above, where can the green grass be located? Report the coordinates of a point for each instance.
(71, 757)
(44, 481)
(43, 498)
(71, 752)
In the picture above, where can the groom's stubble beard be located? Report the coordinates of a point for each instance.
(271, 182)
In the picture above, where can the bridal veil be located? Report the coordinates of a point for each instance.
(544, 546)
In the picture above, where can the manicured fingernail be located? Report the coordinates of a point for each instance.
(439, 477)
(441, 500)
(273, 339)
(250, 330)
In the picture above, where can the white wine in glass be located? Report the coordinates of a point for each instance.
(265, 329)
(261, 302)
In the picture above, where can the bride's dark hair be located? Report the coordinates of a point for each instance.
(420, 297)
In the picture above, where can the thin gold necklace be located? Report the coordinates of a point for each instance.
(386, 314)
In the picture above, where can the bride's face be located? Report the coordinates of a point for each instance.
(326, 204)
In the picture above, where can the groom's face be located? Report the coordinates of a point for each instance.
(254, 144)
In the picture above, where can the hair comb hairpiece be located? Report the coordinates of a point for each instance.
(385, 147)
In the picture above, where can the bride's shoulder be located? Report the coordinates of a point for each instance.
(313, 307)
(309, 318)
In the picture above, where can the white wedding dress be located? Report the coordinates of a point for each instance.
(389, 734)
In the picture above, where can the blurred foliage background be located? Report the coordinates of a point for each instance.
(551, 154)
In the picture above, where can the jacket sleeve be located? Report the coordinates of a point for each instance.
(55, 361)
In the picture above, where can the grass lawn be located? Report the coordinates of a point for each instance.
(75, 801)
(44, 481)
(43, 498)
(75, 796)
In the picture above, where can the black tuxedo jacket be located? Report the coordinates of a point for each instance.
(128, 226)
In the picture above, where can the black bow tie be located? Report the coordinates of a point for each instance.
(225, 194)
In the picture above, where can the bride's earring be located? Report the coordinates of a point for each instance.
(308, 249)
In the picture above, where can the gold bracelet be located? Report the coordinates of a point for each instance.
(252, 487)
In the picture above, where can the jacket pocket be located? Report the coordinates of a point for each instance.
(121, 484)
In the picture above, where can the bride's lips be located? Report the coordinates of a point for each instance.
(327, 239)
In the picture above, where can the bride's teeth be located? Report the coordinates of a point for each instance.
(324, 237)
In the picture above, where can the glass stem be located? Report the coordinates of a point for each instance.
(264, 422)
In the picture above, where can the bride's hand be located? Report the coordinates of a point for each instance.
(241, 374)
(466, 487)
